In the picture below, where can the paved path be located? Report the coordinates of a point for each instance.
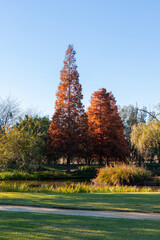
(106, 214)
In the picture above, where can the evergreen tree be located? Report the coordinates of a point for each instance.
(68, 130)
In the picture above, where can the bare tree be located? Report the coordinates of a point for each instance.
(153, 115)
(9, 112)
(131, 115)
(31, 111)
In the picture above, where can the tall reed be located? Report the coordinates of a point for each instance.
(73, 188)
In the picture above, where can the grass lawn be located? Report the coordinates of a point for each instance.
(63, 167)
(141, 202)
(19, 226)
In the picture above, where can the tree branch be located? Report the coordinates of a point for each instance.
(153, 116)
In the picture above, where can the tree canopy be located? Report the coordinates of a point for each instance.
(68, 130)
(131, 115)
(106, 128)
(145, 137)
(24, 145)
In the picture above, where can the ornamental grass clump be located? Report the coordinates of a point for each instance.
(122, 175)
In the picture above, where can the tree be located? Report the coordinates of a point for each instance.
(131, 115)
(145, 137)
(106, 128)
(153, 115)
(35, 125)
(9, 112)
(68, 130)
(24, 144)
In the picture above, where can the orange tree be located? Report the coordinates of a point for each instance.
(106, 128)
(68, 131)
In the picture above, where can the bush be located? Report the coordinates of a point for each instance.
(122, 175)
(43, 175)
(86, 172)
(17, 175)
(154, 168)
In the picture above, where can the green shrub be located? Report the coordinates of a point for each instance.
(154, 168)
(17, 175)
(122, 175)
(43, 175)
(86, 172)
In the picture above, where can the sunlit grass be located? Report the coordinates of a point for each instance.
(141, 202)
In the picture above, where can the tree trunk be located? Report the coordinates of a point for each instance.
(68, 164)
(107, 162)
(89, 161)
(100, 161)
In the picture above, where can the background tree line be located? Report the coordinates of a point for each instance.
(103, 134)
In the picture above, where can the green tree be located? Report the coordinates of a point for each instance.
(24, 144)
(145, 137)
(131, 115)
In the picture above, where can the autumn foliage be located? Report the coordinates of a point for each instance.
(70, 134)
(68, 130)
(106, 128)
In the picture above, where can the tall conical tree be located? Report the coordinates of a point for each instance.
(106, 128)
(68, 129)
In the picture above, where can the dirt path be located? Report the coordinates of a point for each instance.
(90, 213)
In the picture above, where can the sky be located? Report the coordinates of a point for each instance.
(117, 46)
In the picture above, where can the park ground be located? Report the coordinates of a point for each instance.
(20, 225)
(28, 226)
(134, 202)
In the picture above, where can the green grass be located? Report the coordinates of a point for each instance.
(140, 202)
(64, 167)
(28, 226)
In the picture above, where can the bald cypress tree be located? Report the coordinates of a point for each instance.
(68, 130)
(106, 128)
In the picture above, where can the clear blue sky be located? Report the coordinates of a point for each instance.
(117, 44)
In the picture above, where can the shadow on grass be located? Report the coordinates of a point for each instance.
(45, 226)
(141, 202)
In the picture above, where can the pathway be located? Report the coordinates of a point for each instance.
(90, 213)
